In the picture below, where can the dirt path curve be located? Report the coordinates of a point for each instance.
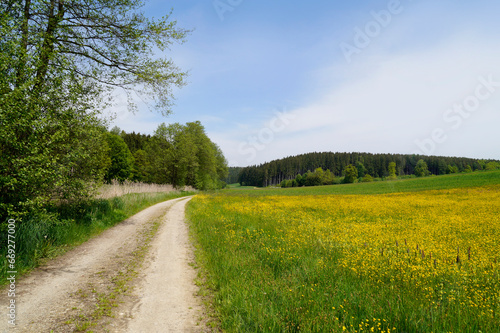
(162, 302)
(167, 292)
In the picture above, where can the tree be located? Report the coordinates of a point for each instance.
(109, 43)
(220, 166)
(183, 155)
(375, 165)
(492, 166)
(329, 178)
(313, 179)
(115, 130)
(361, 169)
(351, 174)
(421, 169)
(233, 173)
(452, 169)
(367, 178)
(442, 167)
(62, 155)
(140, 167)
(122, 160)
(392, 170)
(320, 173)
(58, 60)
(211, 166)
(300, 180)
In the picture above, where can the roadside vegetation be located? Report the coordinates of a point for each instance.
(419, 256)
(412, 184)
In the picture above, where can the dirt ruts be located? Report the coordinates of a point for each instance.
(103, 286)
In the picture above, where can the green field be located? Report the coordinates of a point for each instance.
(380, 187)
(415, 255)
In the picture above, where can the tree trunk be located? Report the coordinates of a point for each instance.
(48, 42)
(21, 66)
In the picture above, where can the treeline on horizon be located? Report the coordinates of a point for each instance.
(366, 164)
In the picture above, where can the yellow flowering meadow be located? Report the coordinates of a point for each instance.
(407, 262)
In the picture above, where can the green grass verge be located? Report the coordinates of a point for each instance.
(45, 237)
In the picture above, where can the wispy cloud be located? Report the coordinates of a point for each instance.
(395, 100)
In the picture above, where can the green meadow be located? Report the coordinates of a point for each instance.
(414, 255)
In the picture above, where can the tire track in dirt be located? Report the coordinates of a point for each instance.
(167, 293)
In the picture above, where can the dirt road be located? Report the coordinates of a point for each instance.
(114, 283)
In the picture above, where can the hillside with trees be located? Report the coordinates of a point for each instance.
(328, 168)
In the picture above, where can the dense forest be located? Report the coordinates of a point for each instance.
(370, 165)
(176, 154)
(233, 175)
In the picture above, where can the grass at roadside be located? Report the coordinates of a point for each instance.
(39, 240)
(413, 261)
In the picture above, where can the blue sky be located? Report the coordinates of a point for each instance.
(270, 79)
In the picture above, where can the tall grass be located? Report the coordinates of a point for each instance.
(45, 236)
(116, 189)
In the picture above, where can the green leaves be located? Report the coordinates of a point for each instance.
(421, 169)
(51, 148)
(110, 43)
(351, 174)
(121, 159)
(184, 155)
(58, 60)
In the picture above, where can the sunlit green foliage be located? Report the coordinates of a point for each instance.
(184, 155)
(58, 62)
